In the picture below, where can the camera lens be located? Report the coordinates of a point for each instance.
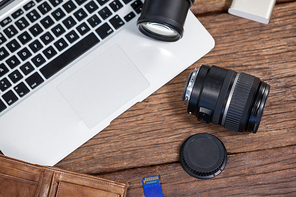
(164, 19)
(225, 97)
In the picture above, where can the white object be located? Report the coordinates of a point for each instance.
(80, 101)
(256, 10)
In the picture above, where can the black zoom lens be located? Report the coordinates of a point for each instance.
(225, 97)
(164, 19)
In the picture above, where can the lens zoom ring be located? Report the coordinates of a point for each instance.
(238, 101)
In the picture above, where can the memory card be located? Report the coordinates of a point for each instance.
(152, 187)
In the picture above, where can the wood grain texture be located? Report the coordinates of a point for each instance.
(151, 132)
(261, 173)
(201, 7)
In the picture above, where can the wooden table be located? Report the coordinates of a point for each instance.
(145, 140)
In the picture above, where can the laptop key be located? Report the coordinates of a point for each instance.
(36, 30)
(79, 2)
(17, 13)
(137, 6)
(116, 22)
(29, 5)
(115, 5)
(69, 55)
(58, 30)
(55, 2)
(44, 8)
(69, 22)
(35, 46)
(2, 38)
(47, 38)
(3, 53)
(27, 68)
(22, 23)
(47, 22)
(24, 37)
(33, 16)
(58, 14)
(60, 44)
(5, 22)
(38, 60)
(21, 89)
(4, 84)
(2, 106)
(102, 2)
(83, 29)
(72, 36)
(49, 52)
(104, 30)
(12, 62)
(94, 20)
(69, 6)
(127, 1)
(105, 13)
(10, 97)
(129, 16)
(15, 76)
(10, 31)
(91, 7)
(34, 80)
(3, 70)
(24, 54)
(80, 14)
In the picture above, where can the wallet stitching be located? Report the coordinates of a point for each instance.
(19, 163)
(91, 179)
(58, 190)
(97, 189)
(17, 170)
(18, 179)
(41, 176)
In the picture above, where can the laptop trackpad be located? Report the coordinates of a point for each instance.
(103, 86)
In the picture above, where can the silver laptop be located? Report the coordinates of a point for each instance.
(68, 68)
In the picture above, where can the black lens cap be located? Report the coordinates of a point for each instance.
(203, 156)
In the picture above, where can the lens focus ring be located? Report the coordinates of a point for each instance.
(239, 99)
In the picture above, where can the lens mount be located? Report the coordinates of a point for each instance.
(189, 84)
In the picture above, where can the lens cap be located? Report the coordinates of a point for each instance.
(203, 156)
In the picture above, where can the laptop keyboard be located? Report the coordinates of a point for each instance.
(42, 37)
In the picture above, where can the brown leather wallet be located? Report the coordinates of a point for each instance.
(18, 178)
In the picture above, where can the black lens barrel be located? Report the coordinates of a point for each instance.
(242, 100)
(171, 13)
(225, 97)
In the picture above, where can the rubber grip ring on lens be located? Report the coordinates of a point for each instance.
(239, 99)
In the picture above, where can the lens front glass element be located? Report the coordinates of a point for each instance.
(159, 29)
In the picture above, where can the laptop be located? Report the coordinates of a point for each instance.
(68, 68)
